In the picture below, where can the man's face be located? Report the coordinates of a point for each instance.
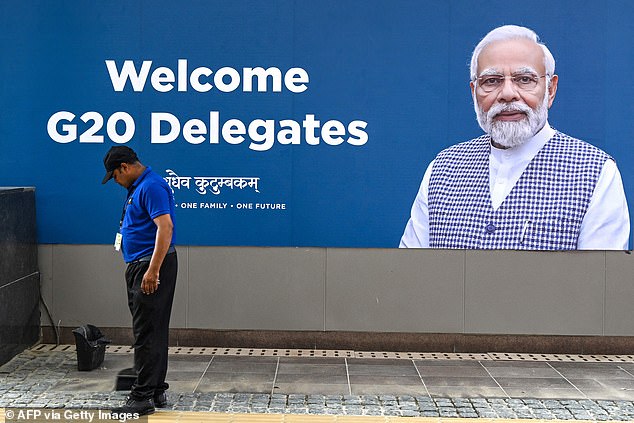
(511, 112)
(121, 175)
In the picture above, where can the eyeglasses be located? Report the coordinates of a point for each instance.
(521, 81)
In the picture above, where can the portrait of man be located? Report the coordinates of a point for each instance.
(523, 185)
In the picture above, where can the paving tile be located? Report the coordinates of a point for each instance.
(312, 368)
(313, 360)
(236, 382)
(245, 359)
(595, 373)
(378, 361)
(517, 364)
(533, 383)
(386, 381)
(453, 363)
(460, 381)
(585, 364)
(523, 372)
(598, 383)
(182, 375)
(622, 389)
(228, 377)
(182, 385)
(452, 371)
(544, 393)
(188, 362)
(119, 361)
(241, 367)
(400, 369)
(608, 394)
(183, 380)
(312, 378)
(626, 366)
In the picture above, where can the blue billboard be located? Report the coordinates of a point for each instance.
(277, 123)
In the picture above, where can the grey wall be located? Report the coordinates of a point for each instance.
(377, 290)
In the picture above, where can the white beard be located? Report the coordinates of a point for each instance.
(512, 134)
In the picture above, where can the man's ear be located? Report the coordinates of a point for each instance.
(552, 89)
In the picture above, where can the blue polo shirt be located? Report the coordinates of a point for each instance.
(148, 198)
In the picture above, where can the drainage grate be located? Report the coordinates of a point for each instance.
(260, 352)
(575, 358)
(119, 349)
(268, 352)
(592, 358)
(52, 347)
(421, 356)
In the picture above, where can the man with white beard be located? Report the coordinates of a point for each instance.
(523, 185)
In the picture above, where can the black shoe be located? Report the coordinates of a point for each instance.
(160, 400)
(132, 406)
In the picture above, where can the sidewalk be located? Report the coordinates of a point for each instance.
(338, 383)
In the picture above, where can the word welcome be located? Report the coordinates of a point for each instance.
(225, 79)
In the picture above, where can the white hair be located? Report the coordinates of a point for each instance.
(511, 32)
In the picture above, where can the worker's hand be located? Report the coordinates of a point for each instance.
(150, 282)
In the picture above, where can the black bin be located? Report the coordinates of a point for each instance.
(91, 347)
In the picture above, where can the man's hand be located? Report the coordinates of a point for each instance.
(150, 282)
(164, 230)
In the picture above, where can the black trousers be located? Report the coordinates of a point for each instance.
(150, 324)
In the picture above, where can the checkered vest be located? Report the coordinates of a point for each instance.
(543, 211)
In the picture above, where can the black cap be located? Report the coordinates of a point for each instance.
(114, 157)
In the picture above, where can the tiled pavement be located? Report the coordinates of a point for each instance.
(484, 388)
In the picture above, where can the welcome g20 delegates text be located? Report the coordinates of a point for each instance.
(167, 127)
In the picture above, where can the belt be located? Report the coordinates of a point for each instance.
(147, 258)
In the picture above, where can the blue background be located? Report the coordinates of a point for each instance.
(401, 66)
